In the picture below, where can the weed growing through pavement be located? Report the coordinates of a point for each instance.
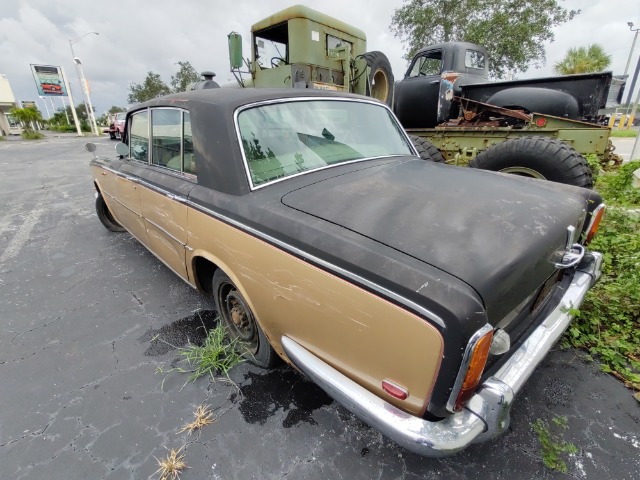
(171, 466)
(553, 447)
(215, 357)
(203, 416)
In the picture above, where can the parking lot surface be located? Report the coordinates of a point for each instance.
(90, 322)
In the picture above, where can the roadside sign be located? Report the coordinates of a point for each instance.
(49, 80)
(28, 104)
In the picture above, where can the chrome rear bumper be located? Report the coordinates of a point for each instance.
(487, 413)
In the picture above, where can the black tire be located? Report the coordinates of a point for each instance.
(240, 321)
(105, 217)
(426, 149)
(537, 157)
(380, 84)
(112, 135)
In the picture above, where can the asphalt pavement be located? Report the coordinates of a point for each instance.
(90, 322)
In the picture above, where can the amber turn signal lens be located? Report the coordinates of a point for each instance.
(474, 372)
(596, 217)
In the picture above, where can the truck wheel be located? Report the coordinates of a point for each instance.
(537, 157)
(426, 149)
(380, 85)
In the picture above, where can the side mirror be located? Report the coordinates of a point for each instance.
(122, 149)
(235, 50)
(91, 147)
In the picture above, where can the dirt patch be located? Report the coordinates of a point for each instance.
(192, 329)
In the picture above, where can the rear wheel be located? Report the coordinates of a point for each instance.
(380, 85)
(426, 150)
(105, 217)
(240, 321)
(537, 157)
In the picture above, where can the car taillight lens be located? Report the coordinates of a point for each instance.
(477, 361)
(596, 217)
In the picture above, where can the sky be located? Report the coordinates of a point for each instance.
(137, 36)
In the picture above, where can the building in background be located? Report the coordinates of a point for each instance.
(8, 125)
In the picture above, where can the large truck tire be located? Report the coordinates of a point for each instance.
(426, 150)
(380, 84)
(537, 157)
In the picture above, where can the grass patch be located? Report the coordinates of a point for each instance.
(215, 357)
(31, 135)
(171, 466)
(553, 447)
(624, 133)
(608, 323)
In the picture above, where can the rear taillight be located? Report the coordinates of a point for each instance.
(473, 362)
(596, 217)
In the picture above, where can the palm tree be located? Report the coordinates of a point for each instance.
(27, 117)
(583, 60)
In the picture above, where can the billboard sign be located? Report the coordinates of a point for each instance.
(49, 80)
(29, 104)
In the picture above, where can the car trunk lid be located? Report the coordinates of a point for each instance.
(501, 234)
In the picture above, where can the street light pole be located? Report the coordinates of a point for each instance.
(633, 45)
(45, 107)
(85, 89)
(629, 110)
(83, 83)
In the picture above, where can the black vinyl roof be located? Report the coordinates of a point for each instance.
(218, 154)
(236, 97)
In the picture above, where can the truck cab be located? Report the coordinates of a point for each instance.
(302, 48)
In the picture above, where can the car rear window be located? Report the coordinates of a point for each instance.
(285, 139)
(474, 59)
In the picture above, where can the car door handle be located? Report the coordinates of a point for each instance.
(434, 82)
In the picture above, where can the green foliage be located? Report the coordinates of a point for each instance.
(183, 77)
(553, 447)
(31, 135)
(583, 60)
(616, 188)
(595, 165)
(26, 116)
(512, 31)
(624, 133)
(217, 356)
(608, 324)
(151, 87)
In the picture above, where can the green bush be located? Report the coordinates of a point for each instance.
(31, 135)
(608, 324)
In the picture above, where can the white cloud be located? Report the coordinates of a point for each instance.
(138, 36)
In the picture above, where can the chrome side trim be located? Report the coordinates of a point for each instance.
(488, 412)
(323, 263)
(165, 232)
(466, 360)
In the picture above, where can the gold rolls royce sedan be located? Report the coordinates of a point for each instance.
(419, 295)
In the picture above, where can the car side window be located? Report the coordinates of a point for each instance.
(428, 64)
(139, 136)
(187, 145)
(166, 138)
